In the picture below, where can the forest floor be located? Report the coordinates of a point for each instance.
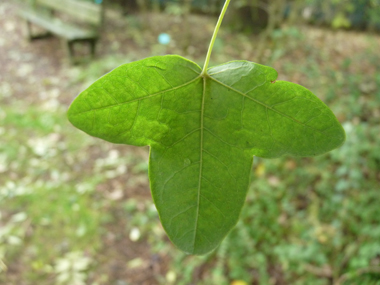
(37, 76)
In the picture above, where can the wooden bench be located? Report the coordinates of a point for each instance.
(73, 20)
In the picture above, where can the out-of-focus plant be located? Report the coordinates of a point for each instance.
(71, 268)
(364, 14)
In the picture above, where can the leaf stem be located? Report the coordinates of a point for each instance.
(216, 30)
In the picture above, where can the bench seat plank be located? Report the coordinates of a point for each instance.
(58, 27)
(82, 10)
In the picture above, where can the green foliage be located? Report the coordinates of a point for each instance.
(347, 14)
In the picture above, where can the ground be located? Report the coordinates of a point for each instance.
(37, 76)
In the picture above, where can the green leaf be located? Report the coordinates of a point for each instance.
(203, 131)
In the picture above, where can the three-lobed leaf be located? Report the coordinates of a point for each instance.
(203, 131)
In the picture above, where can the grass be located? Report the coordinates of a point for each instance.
(46, 206)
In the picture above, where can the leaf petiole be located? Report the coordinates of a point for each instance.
(216, 30)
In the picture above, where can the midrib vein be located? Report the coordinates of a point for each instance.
(200, 163)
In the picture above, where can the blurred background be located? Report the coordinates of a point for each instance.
(78, 210)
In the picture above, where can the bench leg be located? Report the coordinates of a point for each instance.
(31, 36)
(29, 30)
(93, 47)
(70, 50)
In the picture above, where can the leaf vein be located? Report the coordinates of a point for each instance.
(216, 207)
(201, 162)
(180, 213)
(211, 133)
(184, 137)
(174, 174)
(221, 162)
(141, 98)
(263, 104)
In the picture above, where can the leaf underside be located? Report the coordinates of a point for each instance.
(203, 132)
